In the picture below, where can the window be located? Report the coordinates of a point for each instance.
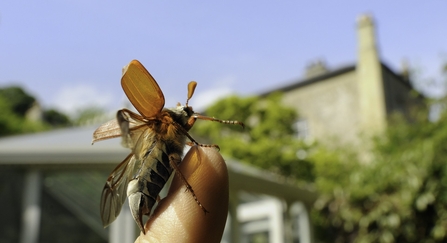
(302, 128)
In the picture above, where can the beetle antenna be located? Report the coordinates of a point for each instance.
(191, 87)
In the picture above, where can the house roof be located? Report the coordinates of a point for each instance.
(306, 81)
(325, 76)
(67, 149)
(68, 146)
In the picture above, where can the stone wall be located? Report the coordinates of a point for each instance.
(329, 106)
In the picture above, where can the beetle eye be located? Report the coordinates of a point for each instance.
(188, 110)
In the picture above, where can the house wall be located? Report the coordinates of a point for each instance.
(330, 107)
(399, 96)
(356, 104)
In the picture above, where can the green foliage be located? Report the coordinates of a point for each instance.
(12, 123)
(55, 118)
(14, 104)
(268, 140)
(9, 122)
(17, 99)
(399, 195)
(394, 192)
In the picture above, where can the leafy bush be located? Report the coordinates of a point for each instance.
(399, 195)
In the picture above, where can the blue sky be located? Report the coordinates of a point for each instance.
(69, 54)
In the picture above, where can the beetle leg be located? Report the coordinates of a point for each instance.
(173, 164)
(193, 141)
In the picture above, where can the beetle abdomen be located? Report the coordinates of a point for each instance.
(150, 178)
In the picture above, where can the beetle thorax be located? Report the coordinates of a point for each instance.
(181, 114)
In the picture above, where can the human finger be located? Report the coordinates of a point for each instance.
(178, 217)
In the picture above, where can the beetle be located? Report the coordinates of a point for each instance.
(156, 137)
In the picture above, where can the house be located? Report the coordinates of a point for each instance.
(350, 101)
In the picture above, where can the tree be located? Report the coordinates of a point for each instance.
(268, 140)
(400, 196)
(17, 99)
(55, 118)
(14, 105)
(9, 121)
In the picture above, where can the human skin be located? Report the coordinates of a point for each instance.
(178, 217)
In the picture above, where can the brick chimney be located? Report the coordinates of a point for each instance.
(370, 78)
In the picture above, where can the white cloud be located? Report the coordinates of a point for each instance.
(72, 98)
(208, 97)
